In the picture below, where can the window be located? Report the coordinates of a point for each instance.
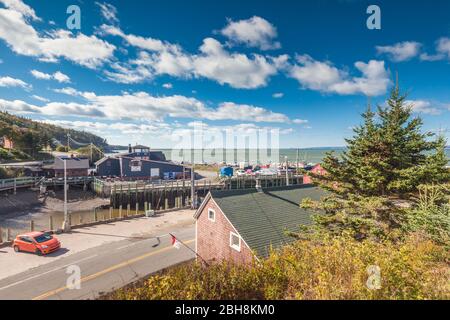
(135, 163)
(26, 239)
(235, 241)
(43, 238)
(211, 215)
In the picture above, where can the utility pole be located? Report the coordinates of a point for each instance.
(66, 224)
(193, 204)
(184, 169)
(68, 142)
(91, 154)
(298, 156)
(287, 174)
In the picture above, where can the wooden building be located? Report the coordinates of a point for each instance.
(75, 167)
(140, 163)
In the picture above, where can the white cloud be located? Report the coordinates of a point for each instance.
(443, 47)
(442, 51)
(22, 38)
(40, 75)
(213, 62)
(253, 32)
(13, 82)
(315, 75)
(108, 11)
(300, 121)
(278, 95)
(61, 77)
(140, 42)
(167, 86)
(234, 69)
(160, 131)
(243, 112)
(52, 108)
(141, 105)
(156, 58)
(21, 7)
(325, 77)
(40, 98)
(402, 51)
(423, 106)
(69, 91)
(58, 76)
(124, 128)
(431, 57)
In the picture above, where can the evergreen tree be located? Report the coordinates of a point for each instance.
(386, 159)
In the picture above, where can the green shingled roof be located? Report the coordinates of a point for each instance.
(262, 218)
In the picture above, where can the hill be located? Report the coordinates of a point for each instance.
(31, 136)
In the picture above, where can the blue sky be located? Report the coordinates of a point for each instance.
(140, 71)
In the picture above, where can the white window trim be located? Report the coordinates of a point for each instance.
(212, 210)
(237, 248)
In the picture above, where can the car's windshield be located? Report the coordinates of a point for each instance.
(43, 238)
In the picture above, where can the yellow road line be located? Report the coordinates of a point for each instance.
(107, 270)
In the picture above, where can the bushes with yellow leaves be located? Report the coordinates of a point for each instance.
(327, 269)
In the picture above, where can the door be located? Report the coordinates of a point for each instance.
(27, 244)
(154, 172)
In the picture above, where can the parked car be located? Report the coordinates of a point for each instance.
(40, 243)
(240, 172)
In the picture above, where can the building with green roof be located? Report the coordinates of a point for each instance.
(241, 224)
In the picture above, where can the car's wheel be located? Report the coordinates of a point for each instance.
(16, 249)
(38, 252)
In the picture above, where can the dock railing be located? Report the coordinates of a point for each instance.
(15, 183)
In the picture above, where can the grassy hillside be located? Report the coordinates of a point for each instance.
(32, 136)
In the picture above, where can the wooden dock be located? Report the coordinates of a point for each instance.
(177, 194)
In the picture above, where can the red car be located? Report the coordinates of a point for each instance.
(40, 243)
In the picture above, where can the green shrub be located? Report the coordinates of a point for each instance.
(61, 148)
(432, 214)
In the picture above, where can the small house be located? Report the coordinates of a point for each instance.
(241, 225)
(75, 167)
(6, 143)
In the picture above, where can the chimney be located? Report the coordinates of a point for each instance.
(129, 148)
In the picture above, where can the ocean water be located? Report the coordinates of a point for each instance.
(310, 155)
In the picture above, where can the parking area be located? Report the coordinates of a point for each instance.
(87, 238)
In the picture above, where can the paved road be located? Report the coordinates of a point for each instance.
(103, 268)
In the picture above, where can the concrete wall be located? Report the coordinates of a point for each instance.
(213, 238)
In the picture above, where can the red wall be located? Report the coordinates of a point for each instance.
(213, 238)
(317, 170)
